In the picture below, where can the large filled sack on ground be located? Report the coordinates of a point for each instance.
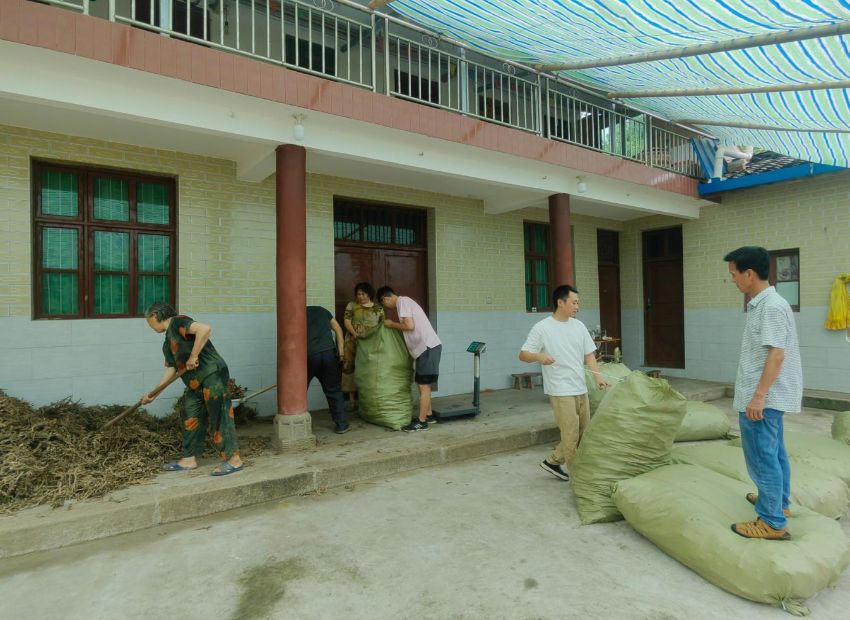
(841, 427)
(703, 421)
(822, 452)
(687, 512)
(811, 487)
(631, 433)
(612, 372)
(383, 372)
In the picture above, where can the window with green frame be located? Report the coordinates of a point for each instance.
(104, 241)
(538, 266)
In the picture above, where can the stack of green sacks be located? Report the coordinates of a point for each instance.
(631, 433)
(687, 512)
(612, 373)
(841, 427)
(383, 372)
(703, 421)
(821, 452)
(811, 487)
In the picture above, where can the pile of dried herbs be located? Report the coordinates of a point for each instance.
(60, 452)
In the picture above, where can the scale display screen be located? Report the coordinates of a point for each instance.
(476, 347)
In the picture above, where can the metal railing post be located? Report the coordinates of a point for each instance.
(540, 127)
(112, 11)
(387, 56)
(647, 152)
(374, 54)
(462, 82)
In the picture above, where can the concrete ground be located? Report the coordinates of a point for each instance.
(489, 538)
(510, 420)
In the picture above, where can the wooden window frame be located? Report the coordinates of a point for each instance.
(771, 278)
(364, 209)
(532, 256)
(87, 225)
(774, 254)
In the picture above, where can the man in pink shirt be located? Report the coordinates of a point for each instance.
(424, 346)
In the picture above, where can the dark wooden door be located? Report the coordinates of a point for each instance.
(352, 264)
(403, 270)
(608, 257)
(664, 300)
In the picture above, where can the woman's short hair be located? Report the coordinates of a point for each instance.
(160, 311)
(365, 287)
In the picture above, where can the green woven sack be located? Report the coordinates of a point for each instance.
(703, 421)
(612, 372)
(687, 511)
(821, 452)
(841, 427)
(811, 487)
(383, 371)
(631, 433)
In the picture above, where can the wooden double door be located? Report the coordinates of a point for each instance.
(403, 270)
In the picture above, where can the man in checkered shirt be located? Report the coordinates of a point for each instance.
(768, 385)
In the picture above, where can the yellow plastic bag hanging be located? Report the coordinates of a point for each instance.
(839, 304)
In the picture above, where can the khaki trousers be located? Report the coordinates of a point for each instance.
(572, 413)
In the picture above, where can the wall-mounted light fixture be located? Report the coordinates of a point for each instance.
(581, 186)
(298, 129)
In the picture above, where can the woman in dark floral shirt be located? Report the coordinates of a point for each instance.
(187, 350)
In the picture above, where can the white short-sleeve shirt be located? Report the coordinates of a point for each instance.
(568, 342)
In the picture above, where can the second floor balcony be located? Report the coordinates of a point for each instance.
(346, 42)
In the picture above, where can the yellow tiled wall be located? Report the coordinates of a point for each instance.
(226, 232)
(810, 214)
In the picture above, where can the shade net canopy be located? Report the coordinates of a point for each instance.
(549, 32)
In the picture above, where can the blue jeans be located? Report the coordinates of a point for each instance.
(767, 463)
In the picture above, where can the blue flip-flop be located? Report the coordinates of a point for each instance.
(175, 466)
(225, 469)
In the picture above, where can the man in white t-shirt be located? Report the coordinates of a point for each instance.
(562, 345)
(424, 345)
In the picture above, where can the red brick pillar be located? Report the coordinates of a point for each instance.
(562, 240)
(293, 422)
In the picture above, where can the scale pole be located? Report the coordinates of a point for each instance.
(476, 390)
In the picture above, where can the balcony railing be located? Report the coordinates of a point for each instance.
(344, 41)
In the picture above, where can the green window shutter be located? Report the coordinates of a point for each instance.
(59, 248)
(111, 289)
(60, 292)
(152, 203)
(154, 263)
(59, 193)
(154, 253)
(111, 199)
(151, 289)
(540, 243)
(111, 294)
(111, 251)
(542, 296)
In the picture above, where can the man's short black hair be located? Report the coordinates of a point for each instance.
(750, 257)
(562, 292)
(365, 287)
(384, 291)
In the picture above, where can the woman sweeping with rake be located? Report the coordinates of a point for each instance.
(189, 353)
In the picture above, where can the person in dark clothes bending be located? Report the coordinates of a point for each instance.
(324, 356)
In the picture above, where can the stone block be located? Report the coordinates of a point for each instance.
(293, 432)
